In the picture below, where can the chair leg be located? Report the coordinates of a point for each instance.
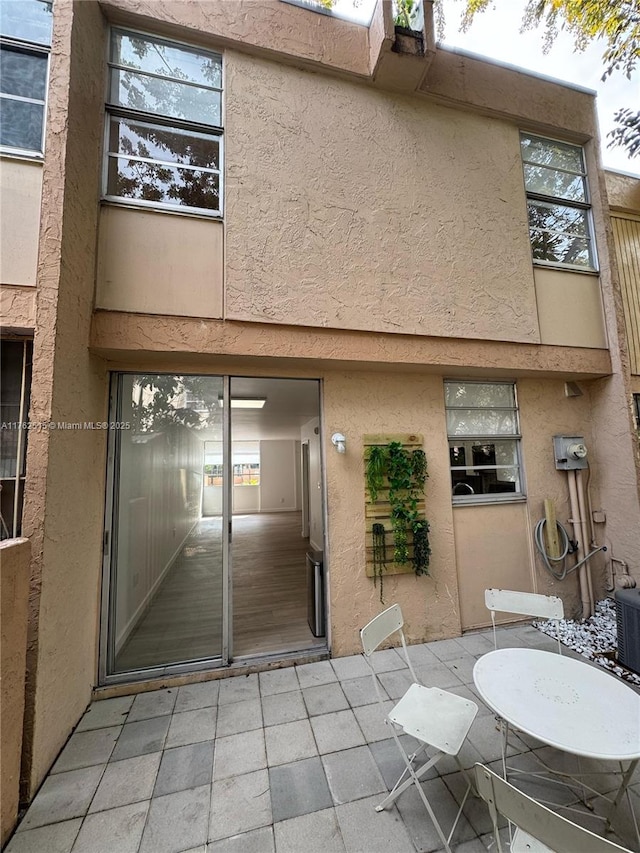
(415, 776)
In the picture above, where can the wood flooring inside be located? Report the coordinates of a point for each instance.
(184, 621)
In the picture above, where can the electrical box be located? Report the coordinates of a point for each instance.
(570, 452)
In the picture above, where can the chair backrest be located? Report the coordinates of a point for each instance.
(534, 819)
(523, 603)
(379, 629)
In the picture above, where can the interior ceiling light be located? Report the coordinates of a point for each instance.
(244, 402)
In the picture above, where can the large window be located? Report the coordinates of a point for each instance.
(25, 37)
(164, 124)
(15, 386)
(484, 440)
(558, 202)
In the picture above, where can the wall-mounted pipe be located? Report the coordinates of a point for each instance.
(579, 534)
(585, 526)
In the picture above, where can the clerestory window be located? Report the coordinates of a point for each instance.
(164, 124)
(25, 40)
(558, 202)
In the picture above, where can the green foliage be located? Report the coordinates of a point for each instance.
(405, 12)
(406, 474)
(376, 467)
(627, 132)
(379, 556)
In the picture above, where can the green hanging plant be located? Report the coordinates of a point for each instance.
(421, 547)
(379, 555)
(404, 472)
(375, 471)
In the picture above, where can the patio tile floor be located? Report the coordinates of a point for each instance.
(288, 761)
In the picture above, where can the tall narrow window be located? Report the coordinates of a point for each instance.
(558, 202)
(25, 39)
(15, 386)
(164, 124)
(484, 440)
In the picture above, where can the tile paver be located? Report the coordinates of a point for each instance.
(177, 822)
(123, 828)
(292, 760)
(127, 781)
(239, 804)
(54, 838)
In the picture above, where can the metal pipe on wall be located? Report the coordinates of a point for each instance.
(584, 524)
(578, 535)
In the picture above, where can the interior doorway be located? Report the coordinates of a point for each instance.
(207, 545)
(278, 419)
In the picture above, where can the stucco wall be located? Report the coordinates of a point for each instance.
(63, 509)
(357, 404)
(623, 191)
(395, 215)
(20, 189)
(569, 308)
(156, 263)
(14, 567)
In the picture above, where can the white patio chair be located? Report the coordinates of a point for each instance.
(433, 717)
(525, 604)
(539, 830)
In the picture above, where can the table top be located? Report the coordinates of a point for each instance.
(562, 702)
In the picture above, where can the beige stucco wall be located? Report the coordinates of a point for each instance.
(356, 404)
(623, 191)
(492, 551)
(14, 577)
(20, 190)
(18, 307)
(395, 215)
(569, 308)
(156, 263)
(63, 509)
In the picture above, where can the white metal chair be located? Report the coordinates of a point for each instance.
(525, 604)
(435, 718)
(539, 830)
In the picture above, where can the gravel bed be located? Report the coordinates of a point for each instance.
(592, 638)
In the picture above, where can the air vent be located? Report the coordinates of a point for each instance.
(628, 617)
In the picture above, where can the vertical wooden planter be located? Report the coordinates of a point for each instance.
(379, 511)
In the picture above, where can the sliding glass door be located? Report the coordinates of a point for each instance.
(166, 549)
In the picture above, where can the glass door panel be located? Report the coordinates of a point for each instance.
(167, 581)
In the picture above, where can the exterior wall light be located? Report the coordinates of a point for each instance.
(339, 442)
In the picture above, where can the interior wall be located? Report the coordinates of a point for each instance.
(278, 463)
(310, 432)
(159, 503)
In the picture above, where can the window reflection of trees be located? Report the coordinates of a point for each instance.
(173, 161)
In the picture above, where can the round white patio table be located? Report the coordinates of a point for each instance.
(564, 703)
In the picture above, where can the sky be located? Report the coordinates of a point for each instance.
(496, 34)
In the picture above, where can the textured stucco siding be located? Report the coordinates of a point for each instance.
(352, 208)
(14, 568)
(63, 508)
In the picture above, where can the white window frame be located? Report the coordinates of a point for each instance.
(585, 205)
(35, 49)
(116, 111)
(488, 438)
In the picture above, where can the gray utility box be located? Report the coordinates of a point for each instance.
(570, 452)
(628, 618)
(315, 593)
